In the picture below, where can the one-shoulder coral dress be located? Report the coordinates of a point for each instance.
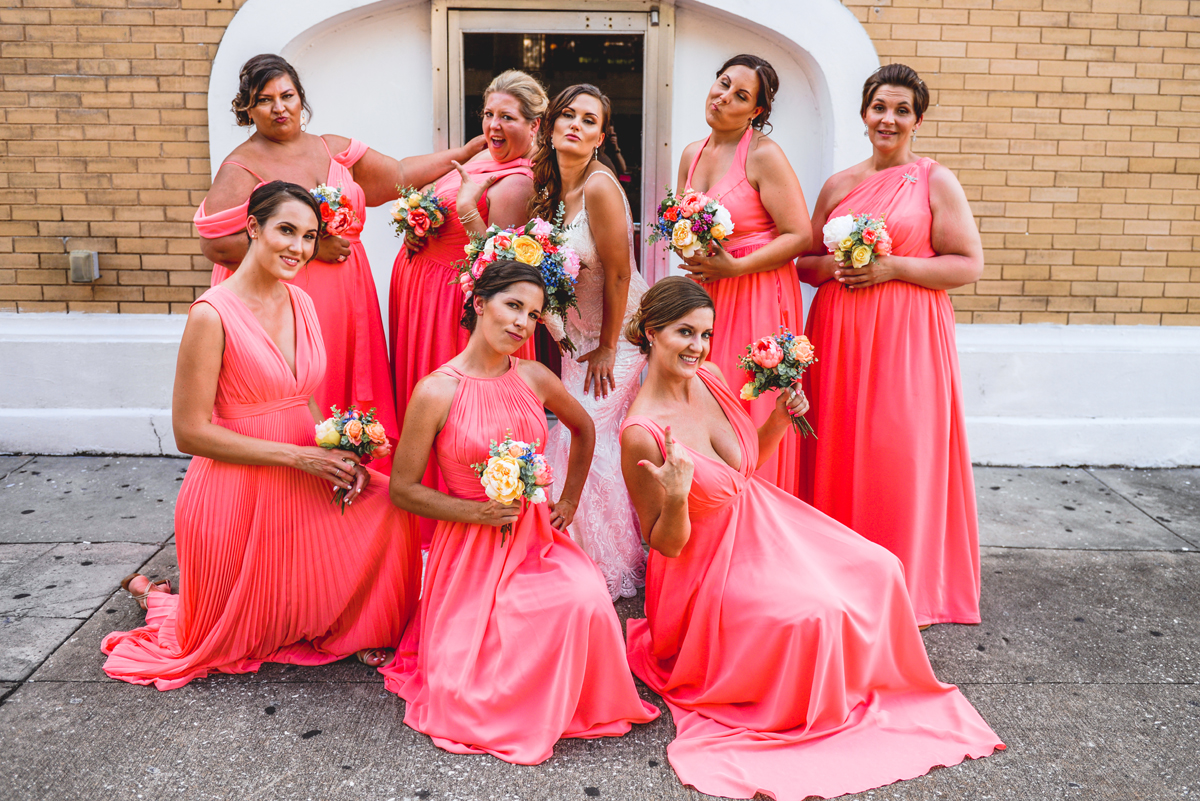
(749, 307)
(890, 459)
(269, 569)
(785, 645)
(515, 644)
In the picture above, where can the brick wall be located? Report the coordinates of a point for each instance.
(1074, 126)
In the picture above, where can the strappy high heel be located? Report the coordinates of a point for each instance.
(163, 585)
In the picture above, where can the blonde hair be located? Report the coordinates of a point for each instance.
(524, 87)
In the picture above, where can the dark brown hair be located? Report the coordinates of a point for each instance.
(257, 73)
(664, 303)
(266, 200)
(546, 177)
(497, 277)
(768, 84)
(900, 75)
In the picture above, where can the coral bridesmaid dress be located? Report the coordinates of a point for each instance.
(785, 646)
(346, 302)
(752, 306)
(270, 571)
(426, 301)
(891, 459)
(514, 645)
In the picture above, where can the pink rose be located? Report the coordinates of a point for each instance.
(571, 262)
(766, 353)
(883, 245)
(868, 236)
(502, 241)
(692, 204)
(419, 221)
(382, 449)
(541, 228)
(343, 220)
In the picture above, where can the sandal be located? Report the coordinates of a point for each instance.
(163, 585)
(375, 657)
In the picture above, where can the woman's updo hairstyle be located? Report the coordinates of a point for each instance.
(524, 87)
(257, 73)
(768, 84)
(900, 75)
(495, 278)
(266, 200)
(670, 299)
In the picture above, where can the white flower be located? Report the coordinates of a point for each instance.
(836, 230)
(489, 249)
(722, 216)
(538, 496)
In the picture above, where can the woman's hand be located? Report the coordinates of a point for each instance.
(494, 513)
(562, 513)
(706, 268)
(332, 249)
(879, 271)
(469, 192)
(791, 403)
(675, 475)
(600, 363)
(341, 468)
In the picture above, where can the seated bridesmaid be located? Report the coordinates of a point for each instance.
(783, 643)
(515, 643)
(270, 571)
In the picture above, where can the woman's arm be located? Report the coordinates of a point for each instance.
(606, 220)
(816, 265)
(659, 488)
(571, 414)
(381, 176)
(231, 186)
(770, 433)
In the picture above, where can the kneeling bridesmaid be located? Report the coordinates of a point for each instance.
(783, 643)
(515, 643)
(270, 571)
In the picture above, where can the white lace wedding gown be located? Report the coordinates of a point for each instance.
(605, 525)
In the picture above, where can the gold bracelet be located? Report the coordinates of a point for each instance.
(469, 217)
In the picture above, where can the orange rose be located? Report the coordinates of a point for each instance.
(419, 221)
(377, 433)
(353, 431)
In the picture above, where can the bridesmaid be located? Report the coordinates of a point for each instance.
(426, 301)
(897, 470)
(271, 100)
(604, 378)
(516, 643)
(269, 570)
(752, 282)
(783, 643)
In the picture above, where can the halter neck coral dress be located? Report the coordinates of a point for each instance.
(426, 301)
(785, 645)
(269, 570)
(749, 307)
(890, 459)
(346, 302)
(514, 645)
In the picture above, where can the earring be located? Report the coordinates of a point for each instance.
(303, 122)
(596, 153)
(865, 131)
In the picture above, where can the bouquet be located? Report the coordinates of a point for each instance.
(690, 222)
(537, 243)
(514, 470)
(337, 217)
(856, 240)
(415, 215)
(353, 431)
(777, 362)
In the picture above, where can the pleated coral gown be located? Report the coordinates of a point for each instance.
(347, 305)
(426, 301)
(270, 571)
(785, 646)
(514, 645)
(890, 459)
(750, 307)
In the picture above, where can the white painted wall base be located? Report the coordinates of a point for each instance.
(1034, 395)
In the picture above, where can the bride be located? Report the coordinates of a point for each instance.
(603, 371)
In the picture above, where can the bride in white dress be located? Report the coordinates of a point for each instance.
(603, 371)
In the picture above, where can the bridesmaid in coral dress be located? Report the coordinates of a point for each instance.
(515, 643)
(338, 280)
(270, 571)
(783, 643)
(891, 459)
(752, 281)
(425, 301)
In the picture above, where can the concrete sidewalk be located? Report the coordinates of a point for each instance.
(1086, 664)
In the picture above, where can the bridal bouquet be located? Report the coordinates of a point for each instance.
(537, 243)
(856, 240)
(353, 431)
(514, 470)
(777, 362)
(415, 215)
(691, 221)
(337, 216)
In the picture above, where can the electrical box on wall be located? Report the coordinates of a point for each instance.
(85, 266)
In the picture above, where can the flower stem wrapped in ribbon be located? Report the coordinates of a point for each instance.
(856, 240)
(690, 222)
(537, 243)
(777, 362)
(514, 471)
(416, 215)
(337, 217)
(353, 431)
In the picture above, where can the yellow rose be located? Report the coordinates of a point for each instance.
(682, 236)
(748, 393)
(502, 479)
(718, 231)
(846, 244)
(327, 435)
(861, 256)
(839, 256)
(414, 200)
(527, 250)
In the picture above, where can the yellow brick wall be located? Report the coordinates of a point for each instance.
(1074, 126)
